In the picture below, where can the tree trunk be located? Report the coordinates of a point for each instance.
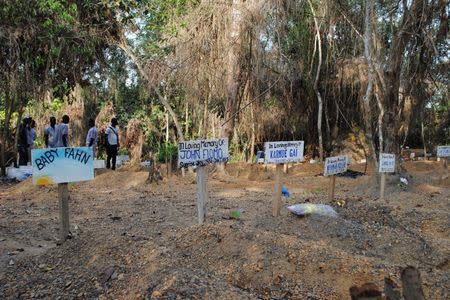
(233, 70)
(186, 120)
(423, 139)
(167, 143)
(4, 143)
(367, 112)
(316, 82)
(253, 137)
(412, 21)
(233, 73)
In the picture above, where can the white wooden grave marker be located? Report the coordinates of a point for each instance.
(61, 166)
(199, 153)
(281, 153)
(444, 153)
(334, 165)
(386, 165)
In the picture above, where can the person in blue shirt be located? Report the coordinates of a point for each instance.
(49, 133)
(92, 136)
(62, 132)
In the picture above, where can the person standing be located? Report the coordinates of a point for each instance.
(112, 144)
(62, 133)
(31, 138)
(92, 137)
(22, 142)
(49, 133)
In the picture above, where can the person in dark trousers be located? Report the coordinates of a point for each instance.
(62, 132)
(31, 138)
(49, 133)
(22, 143)
(112, 144)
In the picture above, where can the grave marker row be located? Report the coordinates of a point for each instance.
(72, 164)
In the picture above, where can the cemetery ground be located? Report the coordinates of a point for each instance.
(133, 240)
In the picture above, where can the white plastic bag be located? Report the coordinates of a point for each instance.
(312, 209)
(18, 174)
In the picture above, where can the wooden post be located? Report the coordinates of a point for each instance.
(382, 185)
(276, 202)
(445, 165)
(331, 188)
(63, 195)
(202, 194)
(286, 168)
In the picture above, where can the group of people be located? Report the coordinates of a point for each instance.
(57, 135)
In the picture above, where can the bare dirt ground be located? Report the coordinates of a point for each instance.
(132, 240)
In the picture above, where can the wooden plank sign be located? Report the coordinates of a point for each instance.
(200, 153)
(62, 165)
(334, 165)
(387, 163)
(281, 153)
(443, 151)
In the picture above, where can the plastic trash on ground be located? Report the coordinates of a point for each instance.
(285, 192)
(312, 209)
(19, 174)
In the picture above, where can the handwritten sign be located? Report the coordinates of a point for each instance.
(202, 152)
(335, 165)
(443, 151)
(283, 152)
(387, 163)
(62, 165)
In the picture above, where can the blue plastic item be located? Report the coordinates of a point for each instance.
(285, 192)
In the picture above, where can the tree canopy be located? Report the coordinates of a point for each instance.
(318, 70)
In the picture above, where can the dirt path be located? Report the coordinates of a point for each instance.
(147, 238)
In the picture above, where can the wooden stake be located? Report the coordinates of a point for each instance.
(202, 195)
(286, 168)
(276, 202)
(63, 195)
(445, 166)
(331, 188)
(382, 185)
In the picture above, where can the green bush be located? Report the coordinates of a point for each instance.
(167, 151)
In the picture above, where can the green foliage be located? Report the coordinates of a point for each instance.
(236, 214)
(123, 151)
(39, 142)
(167, 151)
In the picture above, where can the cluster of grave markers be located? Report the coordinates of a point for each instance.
(198, 154)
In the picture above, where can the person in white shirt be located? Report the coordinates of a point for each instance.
(112, 144)
(92, 136)
(49, 134)
(62, 133)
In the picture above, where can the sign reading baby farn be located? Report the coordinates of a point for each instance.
(62, 165)
(387, 163)
(283, 152)
(202, 152)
